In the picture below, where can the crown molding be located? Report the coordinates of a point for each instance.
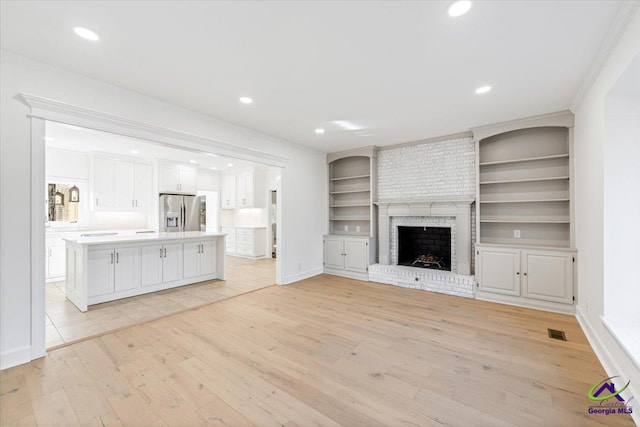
(56, 111)
(450, 137)
(621, 22)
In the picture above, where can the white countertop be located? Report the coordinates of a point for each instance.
(146, 237)
(243, 226)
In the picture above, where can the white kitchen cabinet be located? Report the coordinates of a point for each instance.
(178, 178)
(55, 259)
(540, 278)
(121, 185)
(348, 256)
(230, 241)
(199, 258)
(112, 270)
(161, 263)
(228, 193)
(100, 269)
(244, 189)
(104, 174)
(246, 242)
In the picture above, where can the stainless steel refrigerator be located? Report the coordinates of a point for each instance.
(179, 213)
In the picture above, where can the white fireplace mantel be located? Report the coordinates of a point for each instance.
(459, 208)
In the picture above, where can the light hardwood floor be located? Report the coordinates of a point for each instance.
(65, 323)
(325, 351)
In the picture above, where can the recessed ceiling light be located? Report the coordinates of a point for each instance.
(483, 89)
(246, 100)
(319, 131)
(135, 152)
(230, 165)
(459, 8)
(192, 161)
(213, 168)
(86, 34)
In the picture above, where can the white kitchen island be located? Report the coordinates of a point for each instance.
(107, 268)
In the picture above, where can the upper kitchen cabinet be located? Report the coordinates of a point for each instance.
(178, 178)
(121, 184)
(245, 188)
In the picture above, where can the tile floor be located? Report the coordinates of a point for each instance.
(65, 323)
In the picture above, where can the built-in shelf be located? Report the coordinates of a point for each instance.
(511, 181)
(528, 220)
(529, 159)
(518, 243)
(526, 201)
(349, 191)
(350, 219)
(349, 177)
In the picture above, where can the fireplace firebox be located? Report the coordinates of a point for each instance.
(425, 247)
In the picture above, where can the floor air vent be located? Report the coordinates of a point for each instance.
(557, 335)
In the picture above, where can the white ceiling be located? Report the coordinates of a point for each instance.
(401, 70)
(67, 137)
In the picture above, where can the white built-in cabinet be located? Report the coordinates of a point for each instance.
(121, 184)
(350, 247)
(542, 275)
(161, 263)
(112, 270)
(348, 255)
(524, 212)
(243, 189)
(181, 178)
(199, 258)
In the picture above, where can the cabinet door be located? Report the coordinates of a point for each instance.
(228, 194)
(187, 179)
(172, 262)
(56, 260)
(191, 259)
(500, 271)
(151, 263)
(357, 255)
(548, 276)
(169, 178)
(100, 269)
(143, 185)
(126, 271)
(208, 258)
(333, 252)
(103, 182)
(244, 189)
(124, 178)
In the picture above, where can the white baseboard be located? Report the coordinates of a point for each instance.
(608, 362)
(301, 276)
(18, 356)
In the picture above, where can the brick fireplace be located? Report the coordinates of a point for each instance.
(398, 217)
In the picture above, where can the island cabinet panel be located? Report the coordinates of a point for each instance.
(199, 259)
(100, 271)
(109, 268)
(151, 265)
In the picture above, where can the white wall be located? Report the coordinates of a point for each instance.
(304, 182)
(589, 176)
(67, 164)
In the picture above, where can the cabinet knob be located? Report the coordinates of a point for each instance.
(525, 274)
(518, 273)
